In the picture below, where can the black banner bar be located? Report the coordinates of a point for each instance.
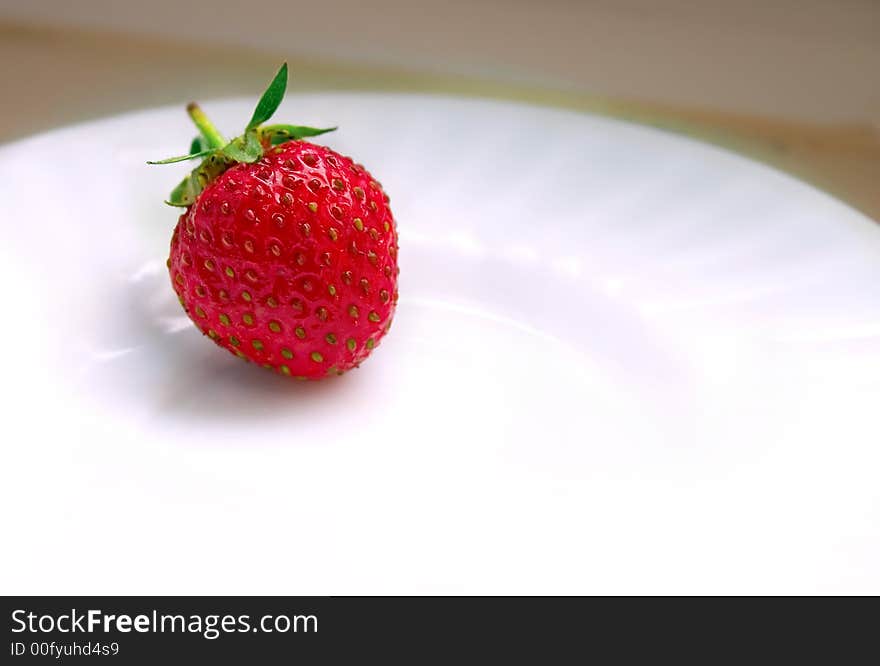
(245, 630)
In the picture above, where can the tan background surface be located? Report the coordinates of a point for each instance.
(792, 83)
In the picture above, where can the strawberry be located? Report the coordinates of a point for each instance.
(286, 254)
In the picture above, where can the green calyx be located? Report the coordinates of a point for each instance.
(218, 154)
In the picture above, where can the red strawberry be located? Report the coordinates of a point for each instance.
(287, 252)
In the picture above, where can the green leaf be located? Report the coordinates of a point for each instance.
(220, 154)
(183, 195)
(198, 144)
(244, 148)
(271, 99)
(280, 133)
(188, 190)
(183, 158)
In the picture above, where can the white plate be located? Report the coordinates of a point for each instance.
(623, 362)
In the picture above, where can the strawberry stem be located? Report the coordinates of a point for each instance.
(212, 135)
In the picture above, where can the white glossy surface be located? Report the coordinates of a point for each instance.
(622, 362)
